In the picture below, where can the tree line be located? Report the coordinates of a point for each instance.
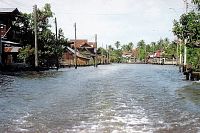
(141, 50)
(187, 30)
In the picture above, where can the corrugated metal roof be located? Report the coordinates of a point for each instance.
(9, 42)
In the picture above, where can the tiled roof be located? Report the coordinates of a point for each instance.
(81, 42)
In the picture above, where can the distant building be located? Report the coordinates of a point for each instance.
(85, 53)
(159, 57)
(131, 56)
(68, 58)
(127, 56)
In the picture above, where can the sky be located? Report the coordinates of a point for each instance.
(112, 20)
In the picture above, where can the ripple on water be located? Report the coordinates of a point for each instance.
(115, 98)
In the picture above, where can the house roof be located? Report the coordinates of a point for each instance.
(156, 54)
(9, 11)
(92, 44)
(83, 43)
(79, 42)
(9, 43)
(86, 45)
(71, 50)
(77, 53)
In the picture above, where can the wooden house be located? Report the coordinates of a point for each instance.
(156, 57)
(68, 58)
(85, 50)
(8, 48)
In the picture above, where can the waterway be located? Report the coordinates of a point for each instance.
(117, 98)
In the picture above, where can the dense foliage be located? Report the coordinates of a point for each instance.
(50, 48)
(187, 28)
(141, 52)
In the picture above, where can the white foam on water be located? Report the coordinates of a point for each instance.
(135, 122)
(22, 122)
(21, 130)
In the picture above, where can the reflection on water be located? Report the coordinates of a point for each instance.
(111, 98)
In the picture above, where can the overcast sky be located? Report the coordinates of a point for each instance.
(112, 20)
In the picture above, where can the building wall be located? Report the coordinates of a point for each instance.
(82, 61)
(68, 60)
(2, 30)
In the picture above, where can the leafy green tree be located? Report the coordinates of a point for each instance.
(26, 54)
(153, 44)
(197, 2)
(194, 57)
(116, 56)
(127, 47)
(102, 51)
(142, 50)
(50, 49)
(188, 28)
(110, 48)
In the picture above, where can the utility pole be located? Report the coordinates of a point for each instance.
(180, 56)
(177, 43)
(1, 45)
(106, 54)
(145, 51)
(185, 41)
(57, 61)
(96, 62)
(35, 29)
(75, 46)
(1, 48)
(102, 56)
(56, 28)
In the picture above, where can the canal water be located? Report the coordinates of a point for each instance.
(118, 98)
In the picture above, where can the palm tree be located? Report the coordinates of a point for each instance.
(130, 46)
(117, 44)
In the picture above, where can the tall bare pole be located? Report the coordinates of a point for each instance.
(56, 28)
(75, 46)
(102, 56)
(96, 60)
(1, 47)
(35, 29)
(177, 46)
(106, 54)
(185, 40)
(145, 53)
